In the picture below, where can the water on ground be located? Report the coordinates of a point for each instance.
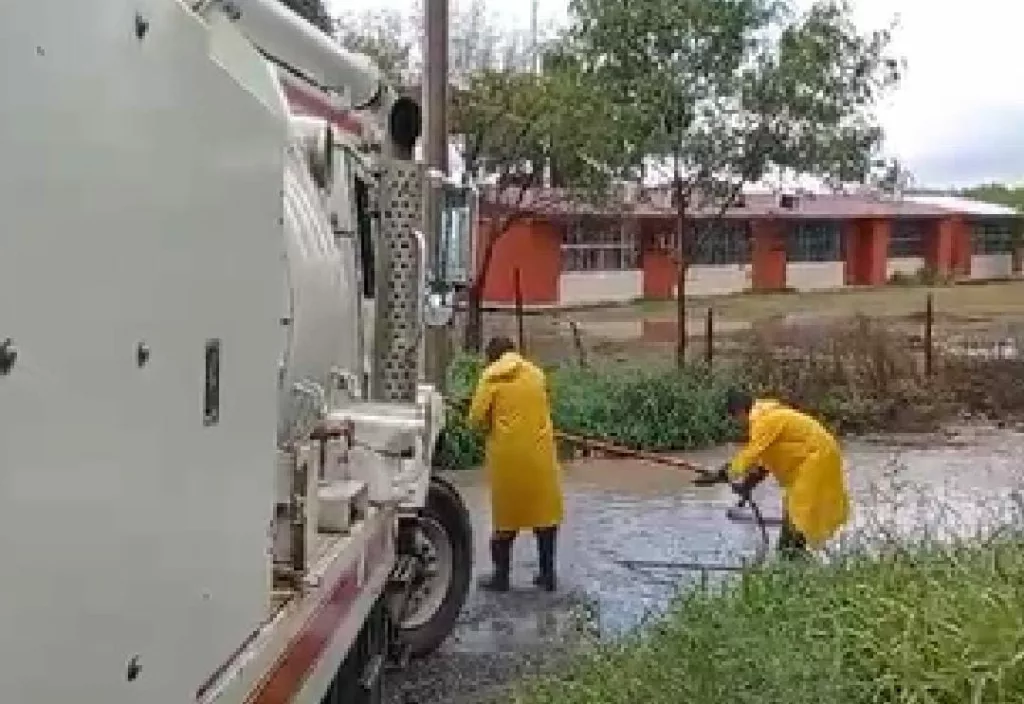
(635, 533)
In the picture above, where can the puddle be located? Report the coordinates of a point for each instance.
(621, 512)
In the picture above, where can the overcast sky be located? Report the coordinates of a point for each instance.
(958, 118)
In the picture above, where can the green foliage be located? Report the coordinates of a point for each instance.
(1000, 194)
(730, 90)
(385, 36)
(659, 410)
(516, 123)
(926, 625)
(652, 410)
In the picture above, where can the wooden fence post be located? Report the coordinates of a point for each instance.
(519, 311)
(709, 337)
(929, 345)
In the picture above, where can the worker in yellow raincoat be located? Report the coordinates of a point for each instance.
(511, 405)
(803, 457)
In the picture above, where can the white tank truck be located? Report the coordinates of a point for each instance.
(210, 492)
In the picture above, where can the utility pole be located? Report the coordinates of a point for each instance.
(435, 102)
(534, 44)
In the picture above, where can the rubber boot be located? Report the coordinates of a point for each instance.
(501, 556)
(546, 541)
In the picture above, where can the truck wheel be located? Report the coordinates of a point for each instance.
(444, 541)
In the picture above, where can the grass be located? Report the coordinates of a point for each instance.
(928, 622)
(984, 300)
(937, 626)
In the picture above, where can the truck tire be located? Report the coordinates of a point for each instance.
(446, 532)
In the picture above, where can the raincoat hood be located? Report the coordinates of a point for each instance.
(764, 405)
(505, 367)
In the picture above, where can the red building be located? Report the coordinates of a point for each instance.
(573, 256)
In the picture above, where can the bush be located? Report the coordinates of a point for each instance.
(659, 410)
(939, 625)
(857, 374)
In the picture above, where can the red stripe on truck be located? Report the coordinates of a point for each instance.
(288, 675)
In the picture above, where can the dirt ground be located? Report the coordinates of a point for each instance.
(647, 330)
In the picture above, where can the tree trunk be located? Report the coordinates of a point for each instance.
(474, 335)
(474, 332)
(681, 264)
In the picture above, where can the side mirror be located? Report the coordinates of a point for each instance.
(458, 229)
(456, 225)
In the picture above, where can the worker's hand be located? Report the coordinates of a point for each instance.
(744, 487)
(710, 477)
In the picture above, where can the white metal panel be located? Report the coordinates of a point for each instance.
(906, 266)
(991, 266)
(815, 276)
(717, 279)
(140, 188)
(585, 287)
(324, 292)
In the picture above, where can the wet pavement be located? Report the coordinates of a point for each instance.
(620, 513)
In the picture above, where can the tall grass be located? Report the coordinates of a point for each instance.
(910, 621)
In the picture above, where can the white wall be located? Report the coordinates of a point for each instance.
(584, 287)
(991, 266)
(815, 276)
(908, 266)
(717, 279)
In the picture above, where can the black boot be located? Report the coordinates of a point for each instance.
(546, 540)
(501, 556)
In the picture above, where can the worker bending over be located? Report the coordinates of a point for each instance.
(511, 405)
(802, 456)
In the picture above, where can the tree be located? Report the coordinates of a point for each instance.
(386, 36)
(728, 91)
(477, 41)
(313, 11)
(515, 126)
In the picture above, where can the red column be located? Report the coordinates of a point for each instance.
(657, 260)
(767, 255)
(963, 248)
(938, 250)
(867, 251)
(948, 249)
(534, 246)
(876, 252)
(853, 243)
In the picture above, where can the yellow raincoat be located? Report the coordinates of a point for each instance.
(511, 405)
(806, 461)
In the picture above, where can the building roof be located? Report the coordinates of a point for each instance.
(965, 206)
(828, 206)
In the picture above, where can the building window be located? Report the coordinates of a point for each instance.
(814, 242)
(992, 237)
(718, 242)
(595, 244)
(907, 239)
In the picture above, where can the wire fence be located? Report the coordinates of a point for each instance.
(622, 334)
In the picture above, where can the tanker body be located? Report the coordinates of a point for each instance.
(215, 440)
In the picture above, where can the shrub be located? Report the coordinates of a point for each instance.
(657, 410)
(858, 374)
